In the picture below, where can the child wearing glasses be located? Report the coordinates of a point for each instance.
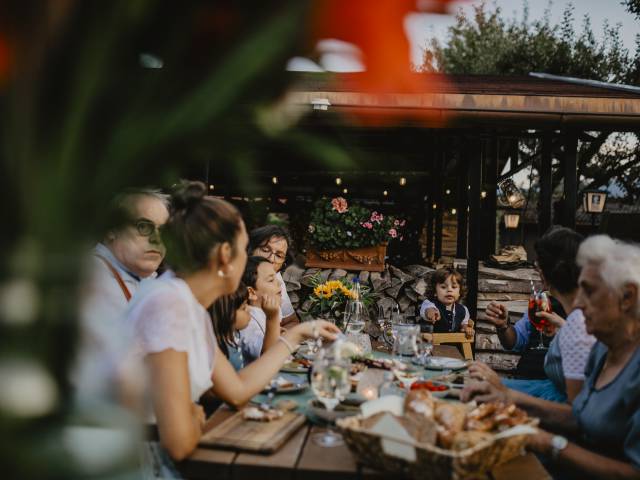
(445, 314)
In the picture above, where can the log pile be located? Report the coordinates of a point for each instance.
(410, 286)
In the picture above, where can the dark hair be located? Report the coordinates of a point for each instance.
(441, 275)
(557, 250)
(223, 317)
(197, 224)
(120, 209)
(259, 237)
(250, 275)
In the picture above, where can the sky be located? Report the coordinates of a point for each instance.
(420, 28)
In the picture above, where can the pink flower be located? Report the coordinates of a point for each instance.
(401, 238)
(396, 223)
(377, 217)
(393, 233)
(402, 223)
(339, 205)
(368, 225)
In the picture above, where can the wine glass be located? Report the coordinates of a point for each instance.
(539, 302)
(330, 384)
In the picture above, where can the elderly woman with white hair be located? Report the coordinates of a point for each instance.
(604, 420)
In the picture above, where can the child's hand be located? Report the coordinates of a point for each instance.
(468, 330)
(432, 314)
(270, 305)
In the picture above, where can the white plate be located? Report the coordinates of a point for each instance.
(445, 363)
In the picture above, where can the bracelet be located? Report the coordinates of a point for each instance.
(286, 344)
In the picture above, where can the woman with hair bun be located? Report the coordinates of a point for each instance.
(206, 249)
(568, 352)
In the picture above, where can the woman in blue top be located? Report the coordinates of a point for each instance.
(604, 421)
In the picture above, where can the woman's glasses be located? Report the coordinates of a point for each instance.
(278, 257)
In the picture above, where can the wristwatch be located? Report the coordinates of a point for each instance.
(558, 443)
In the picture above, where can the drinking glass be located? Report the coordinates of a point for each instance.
(354, 321)
(424, 349)
(330, 384)
(539, 302)
(405, 339)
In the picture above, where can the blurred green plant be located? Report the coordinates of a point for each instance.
(83, 119)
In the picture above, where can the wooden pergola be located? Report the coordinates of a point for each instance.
(459, 133)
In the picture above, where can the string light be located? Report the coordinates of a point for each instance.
(435, 206)
(483, 194)
(338, 181)
(448, 191)
(274, 180)
(403, 181)
(212, 187)
(345, 191)
(468, 187)
(453, 211)
(385, 193)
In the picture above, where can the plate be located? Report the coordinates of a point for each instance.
(289, 385)
(294, 367)
(445, 363)
(315, 410)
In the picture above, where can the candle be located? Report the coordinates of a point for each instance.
(370, 393)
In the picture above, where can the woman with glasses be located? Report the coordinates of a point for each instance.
(272, 243)
(130, 251)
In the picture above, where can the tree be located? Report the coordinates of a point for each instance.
(487, 43)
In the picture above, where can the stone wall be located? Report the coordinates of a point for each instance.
(410, 285)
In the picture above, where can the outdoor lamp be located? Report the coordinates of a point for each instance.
(320, 103)
(511, 220)
(593, 201)
(510, 194)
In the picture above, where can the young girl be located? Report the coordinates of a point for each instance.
(444, 312)
(230, 315)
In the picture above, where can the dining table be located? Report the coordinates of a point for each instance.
(303, 459)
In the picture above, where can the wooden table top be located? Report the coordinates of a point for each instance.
(301, 458)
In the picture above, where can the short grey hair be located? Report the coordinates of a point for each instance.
(618, 261)
(119, 211)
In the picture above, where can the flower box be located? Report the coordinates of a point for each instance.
(365, 258)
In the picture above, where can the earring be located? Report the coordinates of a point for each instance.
(221, 273)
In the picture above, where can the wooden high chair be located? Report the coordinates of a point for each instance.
(457, 337)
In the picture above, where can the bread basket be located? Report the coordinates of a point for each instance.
(422, 460)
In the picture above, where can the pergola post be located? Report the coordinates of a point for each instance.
(475, 178)
(463, 201)
(439, 200)
(570, 167)
(544, 206)
(430, 212)
(490, 187)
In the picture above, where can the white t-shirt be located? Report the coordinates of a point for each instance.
(104, 338)
(575, 345)
(252, 337)
(286, 308)
(165, 315)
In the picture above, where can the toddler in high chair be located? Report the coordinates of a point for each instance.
(445, 312)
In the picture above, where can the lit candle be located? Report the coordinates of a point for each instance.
(370, 393)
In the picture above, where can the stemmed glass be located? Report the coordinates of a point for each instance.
(330, 384)
(539, 302)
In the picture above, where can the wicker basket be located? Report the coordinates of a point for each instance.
(438, 463)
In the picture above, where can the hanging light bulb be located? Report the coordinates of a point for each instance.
(483, 194)
(403, 181)
(448, 192)
(385, 193)
(453, 211)
(338, 181)
(274, 180)
(345, 191)
(212, 187)
(435, 206)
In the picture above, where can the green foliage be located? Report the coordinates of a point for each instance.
(336, 224)
(487, 43)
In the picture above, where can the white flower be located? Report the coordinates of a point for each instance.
(311, 228)
(349, 234)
